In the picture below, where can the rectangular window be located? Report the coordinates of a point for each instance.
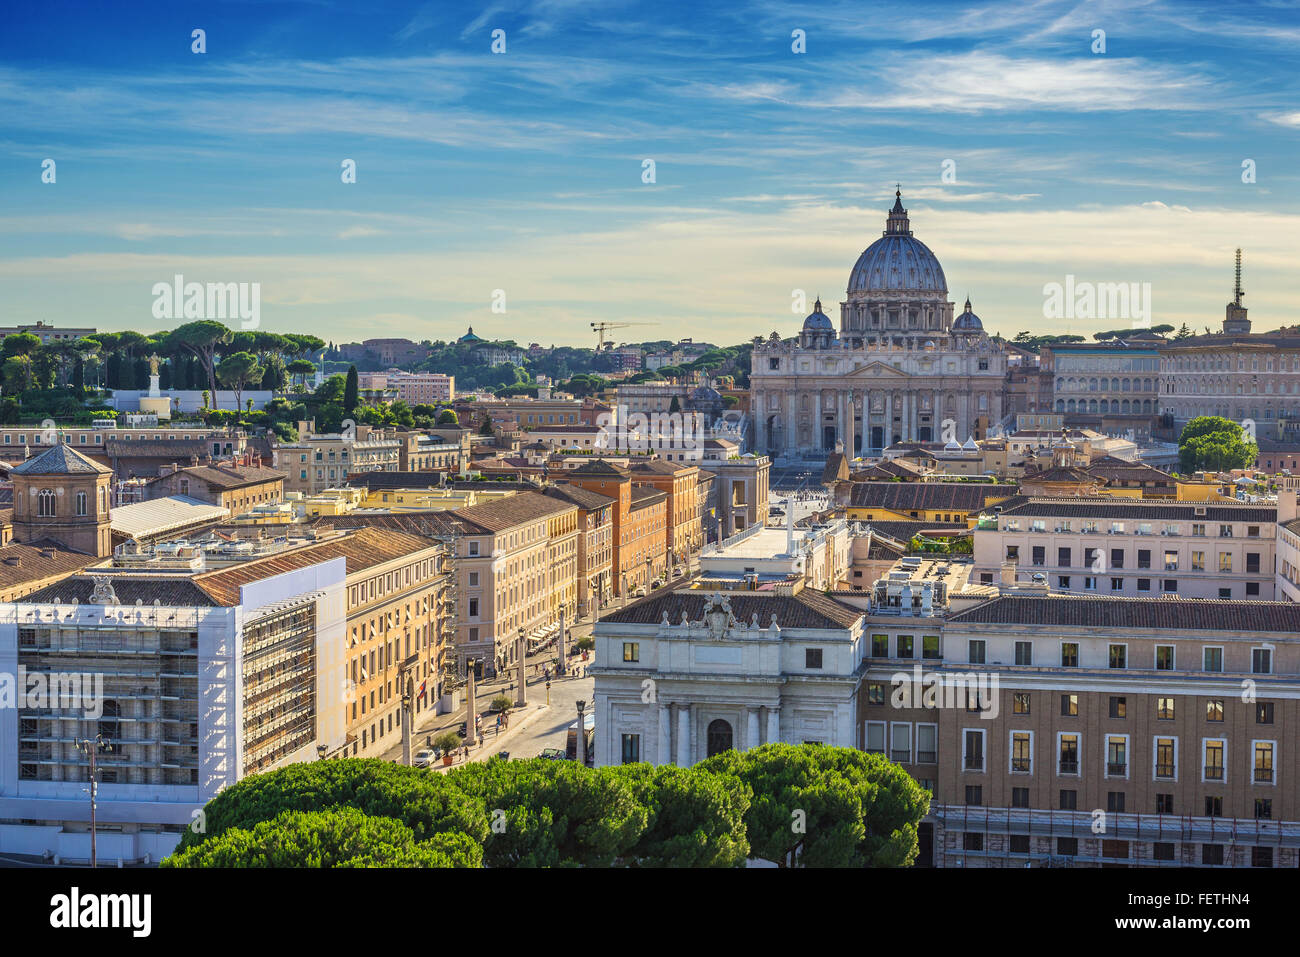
(974, 795)
(1212, 760)
(631, 748)
(976, 649)
(904, 646)
(875, 737)
(1117, 756)
(812, 658)
(972, 841)
(1117, 558)
(1020, 797)
(1165, 709)
(1213, 806)
(1070, 705)
(1212, 659)
(900, 745)
(1261, 661)
(1024, 652)
(1115, 805)
(1198, 561)
(1211, 854)
(1164, 804)
(930, 646)
(1264, 712)
(927, 743)
(1069, 654)
(879, 646)
(1164, 657)
(1020, 702)
(1162, 851)
(631, 651)
(1264, 762)
(1166, 758)
(1022, 760)
(1068, 754)
(1069, 799)
(973, 751)
(1118, 706)
(1214, 709)
(1063, 557)
(1118, 656)
(1067, 846)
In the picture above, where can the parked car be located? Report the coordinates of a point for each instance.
(552, 754)
(423, 758)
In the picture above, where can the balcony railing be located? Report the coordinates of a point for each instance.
(974, 763)
(1263, 775)
(901, 755)
(927, 757)
(1020, 765)
(1164, 770)
(1214, 772)
(1117, 768)
(1069, 767)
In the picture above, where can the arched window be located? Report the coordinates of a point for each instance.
(45, 503)
(719, 737)
(81, 503)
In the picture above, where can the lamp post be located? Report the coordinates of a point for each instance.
(582, 733)
(522, 700)
(100, 743)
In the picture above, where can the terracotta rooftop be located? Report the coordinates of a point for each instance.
(361, 549)
(228, 476)
(1189, 615)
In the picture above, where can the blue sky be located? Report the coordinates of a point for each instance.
(523, 171)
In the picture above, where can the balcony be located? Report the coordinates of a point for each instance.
(1020, 765)
(1263, 775)
(974, 764)
(927, 757)
(1214, 772)
(901, 755)
(1069, 767)
(1165, 771)
(1117, 769)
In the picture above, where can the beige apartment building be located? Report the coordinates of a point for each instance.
(517, 569)
(1133, 547)
(318, 461)
(595, 544)
(1127, 731)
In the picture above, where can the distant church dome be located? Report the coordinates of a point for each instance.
(818, 321)
(967, 321)
(897, 262)
(469, 336)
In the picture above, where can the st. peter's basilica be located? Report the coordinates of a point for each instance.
(899, 367)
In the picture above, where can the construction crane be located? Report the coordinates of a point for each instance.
(604, 327)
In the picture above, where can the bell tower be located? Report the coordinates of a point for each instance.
(60, 495)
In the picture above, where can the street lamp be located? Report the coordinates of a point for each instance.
(100, 743)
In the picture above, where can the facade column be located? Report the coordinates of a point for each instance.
(840, 403)
(792, 431)
(817, 417)
(751, 730)
(757, 405)
(773, 725)
(851, 442)
(665, 728)
(936, 417)
(683, 736)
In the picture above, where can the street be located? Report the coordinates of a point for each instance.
(547, 731)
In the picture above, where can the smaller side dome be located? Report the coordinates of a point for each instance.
(818, 321)
(967, 321)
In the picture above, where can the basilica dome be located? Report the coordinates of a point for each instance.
(897, 263)
(818, 321)
(967, 321)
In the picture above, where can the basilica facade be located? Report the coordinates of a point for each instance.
(901, 368)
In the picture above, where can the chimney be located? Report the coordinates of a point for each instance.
(1286, 505)
(1008, 579)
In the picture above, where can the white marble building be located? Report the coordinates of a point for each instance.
(898, 368)
(685, 674)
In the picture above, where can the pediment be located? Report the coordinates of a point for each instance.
(876, 371)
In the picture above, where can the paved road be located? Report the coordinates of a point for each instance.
(548, 731)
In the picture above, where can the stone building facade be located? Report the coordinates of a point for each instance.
(899, 367)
